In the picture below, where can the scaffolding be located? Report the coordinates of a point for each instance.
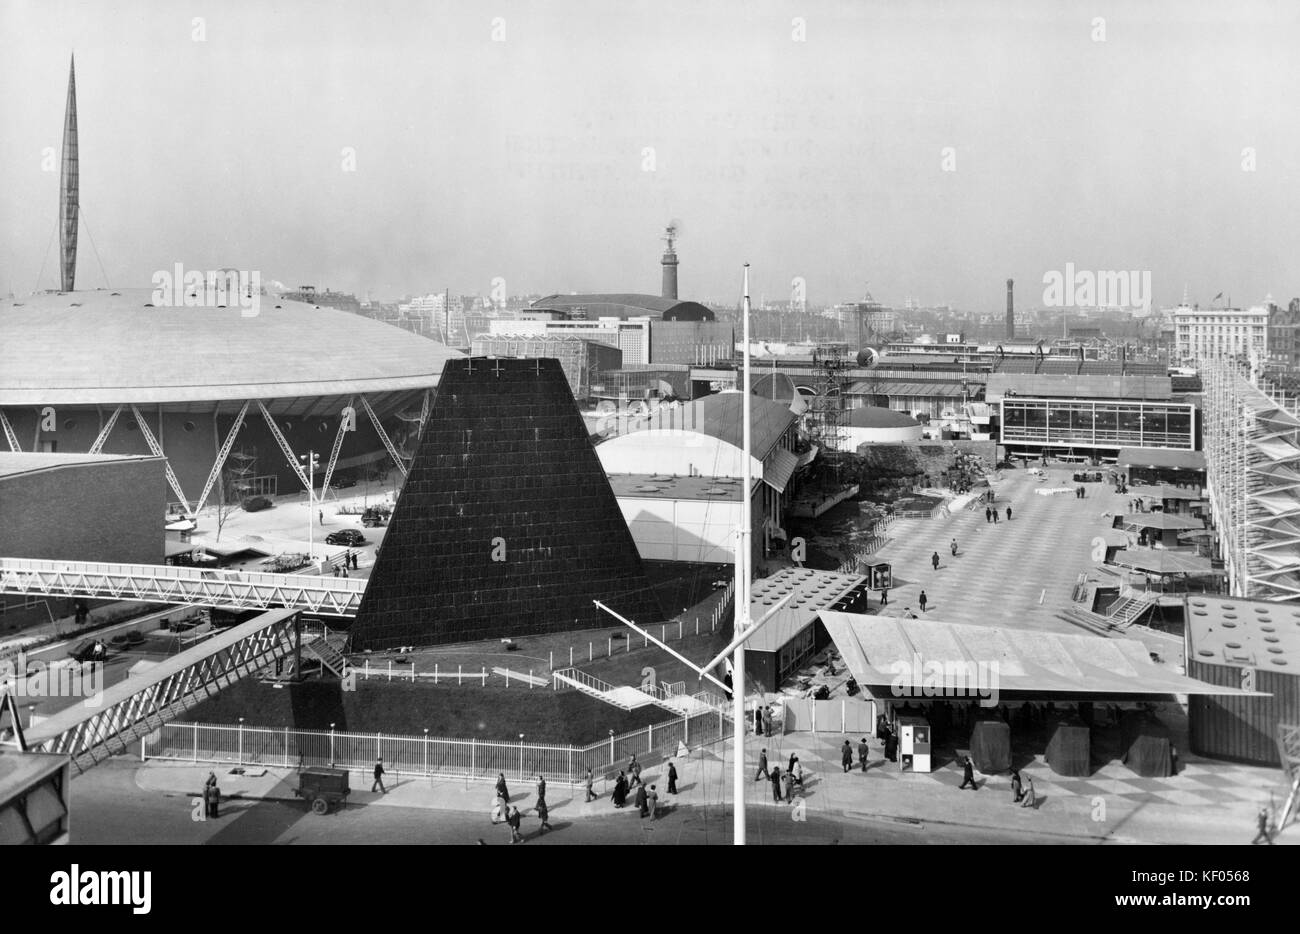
(1252, 452)
(830, 360)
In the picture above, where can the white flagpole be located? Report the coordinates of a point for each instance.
(742, 592)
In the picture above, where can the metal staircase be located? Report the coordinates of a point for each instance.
(1123, 614)
(633, 698)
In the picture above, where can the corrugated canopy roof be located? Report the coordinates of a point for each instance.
(883, 651)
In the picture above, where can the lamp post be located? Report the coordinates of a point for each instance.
(311, 460)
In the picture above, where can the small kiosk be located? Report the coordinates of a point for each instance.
(914, 744)
(879, 575)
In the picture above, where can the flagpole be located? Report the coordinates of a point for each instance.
(742, 590)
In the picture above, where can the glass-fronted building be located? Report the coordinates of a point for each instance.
(1101, 426)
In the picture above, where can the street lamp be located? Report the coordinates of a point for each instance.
(311, 460)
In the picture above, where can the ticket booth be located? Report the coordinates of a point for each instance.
(914, 744)
(878, 574)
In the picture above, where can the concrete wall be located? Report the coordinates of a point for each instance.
(110, 510)
(672, 451)
(682, 530)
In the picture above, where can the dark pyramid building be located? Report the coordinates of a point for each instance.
(507, 525)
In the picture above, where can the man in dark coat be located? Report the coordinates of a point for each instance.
(672, 778)
(934, 559)
(515, 821)
(846, 756)
(762, 765)
(543, 814)
(619, 797)
(891, 744)
(968, 775)
(1008, 513)
(863, 751)
(776, 784)
(988, 513)
(758, 720)
(923, 599)
(641, 800)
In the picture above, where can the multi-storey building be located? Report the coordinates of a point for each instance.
(1215, 333)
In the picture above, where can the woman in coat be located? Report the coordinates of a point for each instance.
(1016, 788)
(620, 790)
(501, 786)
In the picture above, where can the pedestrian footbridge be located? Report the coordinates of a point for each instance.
(108, 723)
(630, 698)
(156, 583)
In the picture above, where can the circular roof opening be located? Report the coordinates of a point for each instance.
(1205, 653)
(1233, 645)
(1278, 661)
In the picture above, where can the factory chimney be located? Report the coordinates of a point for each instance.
(670, 265)
(1011, 309)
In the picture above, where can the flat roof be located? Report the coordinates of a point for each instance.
(880, 649)
(1066, 386)
(814, 592)
(13, 463)
(1244, 633)
(1159, 457)
(664, 486)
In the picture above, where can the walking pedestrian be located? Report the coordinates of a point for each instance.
(934, 559)
(988, 513)
(502, 790)
(345, 570)
(321, 515)
(787, 780)
(1008, 513)
(590, 794)
(515, 821)
(641, 800)
(995, 517)
(776, 784)
(846, 756)
(863, 750)
(652, 801)
(884, 596)
(1017, 788)
(379, 777)
(762, 765)
(1030, 798)
(619, 797)
(207, 800)
(758, 720)
(500, 810)
(541, 790)
(543, 814)
(968, 775)
(633, 772)
(336, 571)
(356, 561)
(672, 778)
(797, 773)
(789, 766)
(923, 600)
(1261, 821)
(953, 547)
(214, 800)
(767, 719)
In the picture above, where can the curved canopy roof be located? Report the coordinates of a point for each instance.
(627, 305)
(105, 347)
(871, 416)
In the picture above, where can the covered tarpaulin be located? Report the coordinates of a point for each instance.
(990, 745)
(1069, 751)
(1144, 745)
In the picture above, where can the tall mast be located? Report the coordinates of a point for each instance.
(69, 188)
(742, 589)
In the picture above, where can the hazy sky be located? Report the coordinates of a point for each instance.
(524, 158)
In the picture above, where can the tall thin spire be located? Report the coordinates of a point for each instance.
(69, 188)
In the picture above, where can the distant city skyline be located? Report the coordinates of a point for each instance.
(922, 151)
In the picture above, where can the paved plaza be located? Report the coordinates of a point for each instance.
(1019, 573)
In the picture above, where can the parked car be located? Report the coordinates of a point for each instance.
(256, 504)
(350, 537)
(89, 650)
(373, 517)
(342, 483)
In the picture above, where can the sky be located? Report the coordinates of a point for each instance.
(925, 150)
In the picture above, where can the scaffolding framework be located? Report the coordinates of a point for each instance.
(830, 361)
(1252, 453)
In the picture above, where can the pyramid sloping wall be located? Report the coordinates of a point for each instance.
(505, 462)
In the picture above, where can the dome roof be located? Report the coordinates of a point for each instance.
(105, 347)
(627, 305)
(870, 416)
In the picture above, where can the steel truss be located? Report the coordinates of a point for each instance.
(224, 453)
(157, 451)
(383, 436)
(1252, 452)
(130, 710)
(9, 433)
(154, 583)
